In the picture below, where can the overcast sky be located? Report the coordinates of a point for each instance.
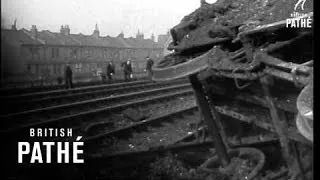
(112, 16)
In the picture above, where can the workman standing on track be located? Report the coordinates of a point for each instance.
(110, 71)
(68, 77)
(127, 71)
(149, 65)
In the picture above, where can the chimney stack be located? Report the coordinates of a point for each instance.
(65, 30)
(34, 31)
(62, 29)
(139, 35)
(96, 32)
(14, 26)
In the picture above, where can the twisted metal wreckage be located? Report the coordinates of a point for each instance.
(268, 66)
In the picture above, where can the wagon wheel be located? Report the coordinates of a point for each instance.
(304, 119)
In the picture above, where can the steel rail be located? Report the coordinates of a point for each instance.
(148, 122)
(25, 105)
(68, 91)
(246, 117)
(68, 118)
(92, 102)
(230, 112)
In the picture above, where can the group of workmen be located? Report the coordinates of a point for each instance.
(110, 71)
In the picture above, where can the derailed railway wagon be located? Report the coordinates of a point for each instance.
(252, 61)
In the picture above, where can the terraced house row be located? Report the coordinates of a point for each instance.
(30, 55)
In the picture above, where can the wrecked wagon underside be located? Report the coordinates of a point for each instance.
(245, 62)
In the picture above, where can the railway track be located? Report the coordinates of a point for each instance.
(120, 147)
(138, 140)
(247, 113)
(153, 132)
(38, 89)
(224, 111)
(57, 98)
(161, 130)
(137, 164)
(48, 117)
(33, 95)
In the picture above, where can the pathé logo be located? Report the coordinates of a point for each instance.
(298, 3)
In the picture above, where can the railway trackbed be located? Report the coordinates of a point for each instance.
(171, 127)
(59, 92)
(191, 153)
(147, 140)
(55, 99)
(47, 117)
(42, 89)
(168, 133)
(153, 132)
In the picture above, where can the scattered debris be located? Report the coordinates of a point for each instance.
(134, 114)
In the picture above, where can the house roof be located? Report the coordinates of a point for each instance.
(54, 38)
(17, 37)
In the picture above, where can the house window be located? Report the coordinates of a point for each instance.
(34, 52)
(57, 52)
(54, 69)
(74, 53)
(59, 67)
(54, 52)
(78, 67)
(37, 69)
(50, 70)
(87, 68)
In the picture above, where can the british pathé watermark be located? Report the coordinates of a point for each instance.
(299, 19)
(41, 152)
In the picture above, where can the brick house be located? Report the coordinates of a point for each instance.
(32, 55)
